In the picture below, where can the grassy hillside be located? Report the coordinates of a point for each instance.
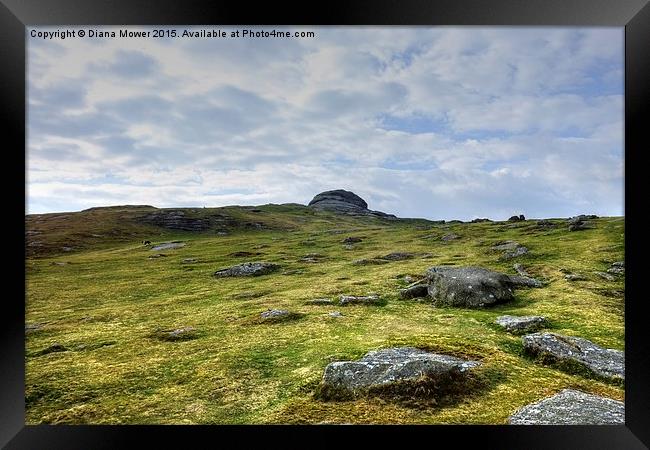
(103, 299)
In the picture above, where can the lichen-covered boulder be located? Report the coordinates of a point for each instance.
(400, 367)
(247, 269)
(571, 407)
(468, 287)
(565, 351)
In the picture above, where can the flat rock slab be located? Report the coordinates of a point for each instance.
(556, 348)
(468, 287)
(571, 407)
(369, 262)
(383, 368)
(359, 300)
(168, 246)
(521, 324)
(278, 315)
(248, 269)
(398, 256)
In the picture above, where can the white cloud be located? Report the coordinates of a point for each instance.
(432, 122)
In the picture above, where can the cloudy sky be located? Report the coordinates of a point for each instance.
(441, 123)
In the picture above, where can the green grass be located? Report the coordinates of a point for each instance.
(108, 301)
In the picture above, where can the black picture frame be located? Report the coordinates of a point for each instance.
(634, 15)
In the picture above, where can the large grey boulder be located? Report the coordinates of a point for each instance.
(468, 287)
(247, 269)
(345, 202)
(571, 407)
(521, 324)
(566, 351)
(400, 367)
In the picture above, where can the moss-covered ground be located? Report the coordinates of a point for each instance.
(105, 301)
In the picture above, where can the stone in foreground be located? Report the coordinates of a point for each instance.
(390, 368)
(247, 269)
(570, 407)
(558, 349)
(468, 287)
(521, 324)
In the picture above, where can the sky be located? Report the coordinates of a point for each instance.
(432, 122)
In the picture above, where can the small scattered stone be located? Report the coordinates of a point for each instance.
(157, 255)
(352, 240)
(606, 276)
(359, 300)
(574, 277)
(571, 407)
(449, 237)
(556, 348)
(178, 334)
(520, 270)
(335, 314)
(32, 327)
(54, 348)
(190, 260)
(545, 224)
(247, 269)
(521, 324)
(369, 262)
(398, 256)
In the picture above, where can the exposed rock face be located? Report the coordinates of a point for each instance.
(345, 202)
(468, 287)
(556, 348)
(247, 269)
(545, 224)
(176, 220)
(571, 407)
(388, 367)
(359, 300)
(521, 324)
(480, 220)
(516, 218)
